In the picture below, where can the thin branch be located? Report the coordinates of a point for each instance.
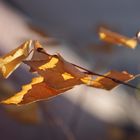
(113, 79)
(93, 73)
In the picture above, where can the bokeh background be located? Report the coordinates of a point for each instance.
(69, 27)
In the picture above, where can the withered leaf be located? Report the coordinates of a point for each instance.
(19, 113)
(116, 38)
(57, 76)
(12, 60)
(57, 72)
(38, 88)
(104, 82)
(34, 91)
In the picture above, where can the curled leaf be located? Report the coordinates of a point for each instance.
(117, 39)
(34, 91)
(21, 114)
(57, 76)
(104, 82)
(12, 60)
(57, 72)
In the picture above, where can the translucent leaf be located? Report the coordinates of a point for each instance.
(117, 39)
(34, 91)
(12, 60)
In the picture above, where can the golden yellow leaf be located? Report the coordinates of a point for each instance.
(57, 76)
(34, 91)
(12, 60)
(116, 38)
(17, 98)
(106, 83)
(19, 113)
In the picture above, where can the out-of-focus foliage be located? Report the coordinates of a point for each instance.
(116, 38)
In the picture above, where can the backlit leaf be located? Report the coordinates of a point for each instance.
(34, 91)
(55, 70)
(19, 113)
(116, 38)
(57, 76)
(12, 60)
(106, 83)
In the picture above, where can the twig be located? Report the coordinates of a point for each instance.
(93, 73)
(113, 79)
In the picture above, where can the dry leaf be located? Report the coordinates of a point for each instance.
(106, 83)
(12, 60)
(57, 72)
(34, 91)
(38, 88)
(57, 76)
(117, 39)
(19, 113)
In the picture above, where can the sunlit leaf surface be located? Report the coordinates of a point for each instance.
(12, 60)
(116, 38)
(58, 75)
